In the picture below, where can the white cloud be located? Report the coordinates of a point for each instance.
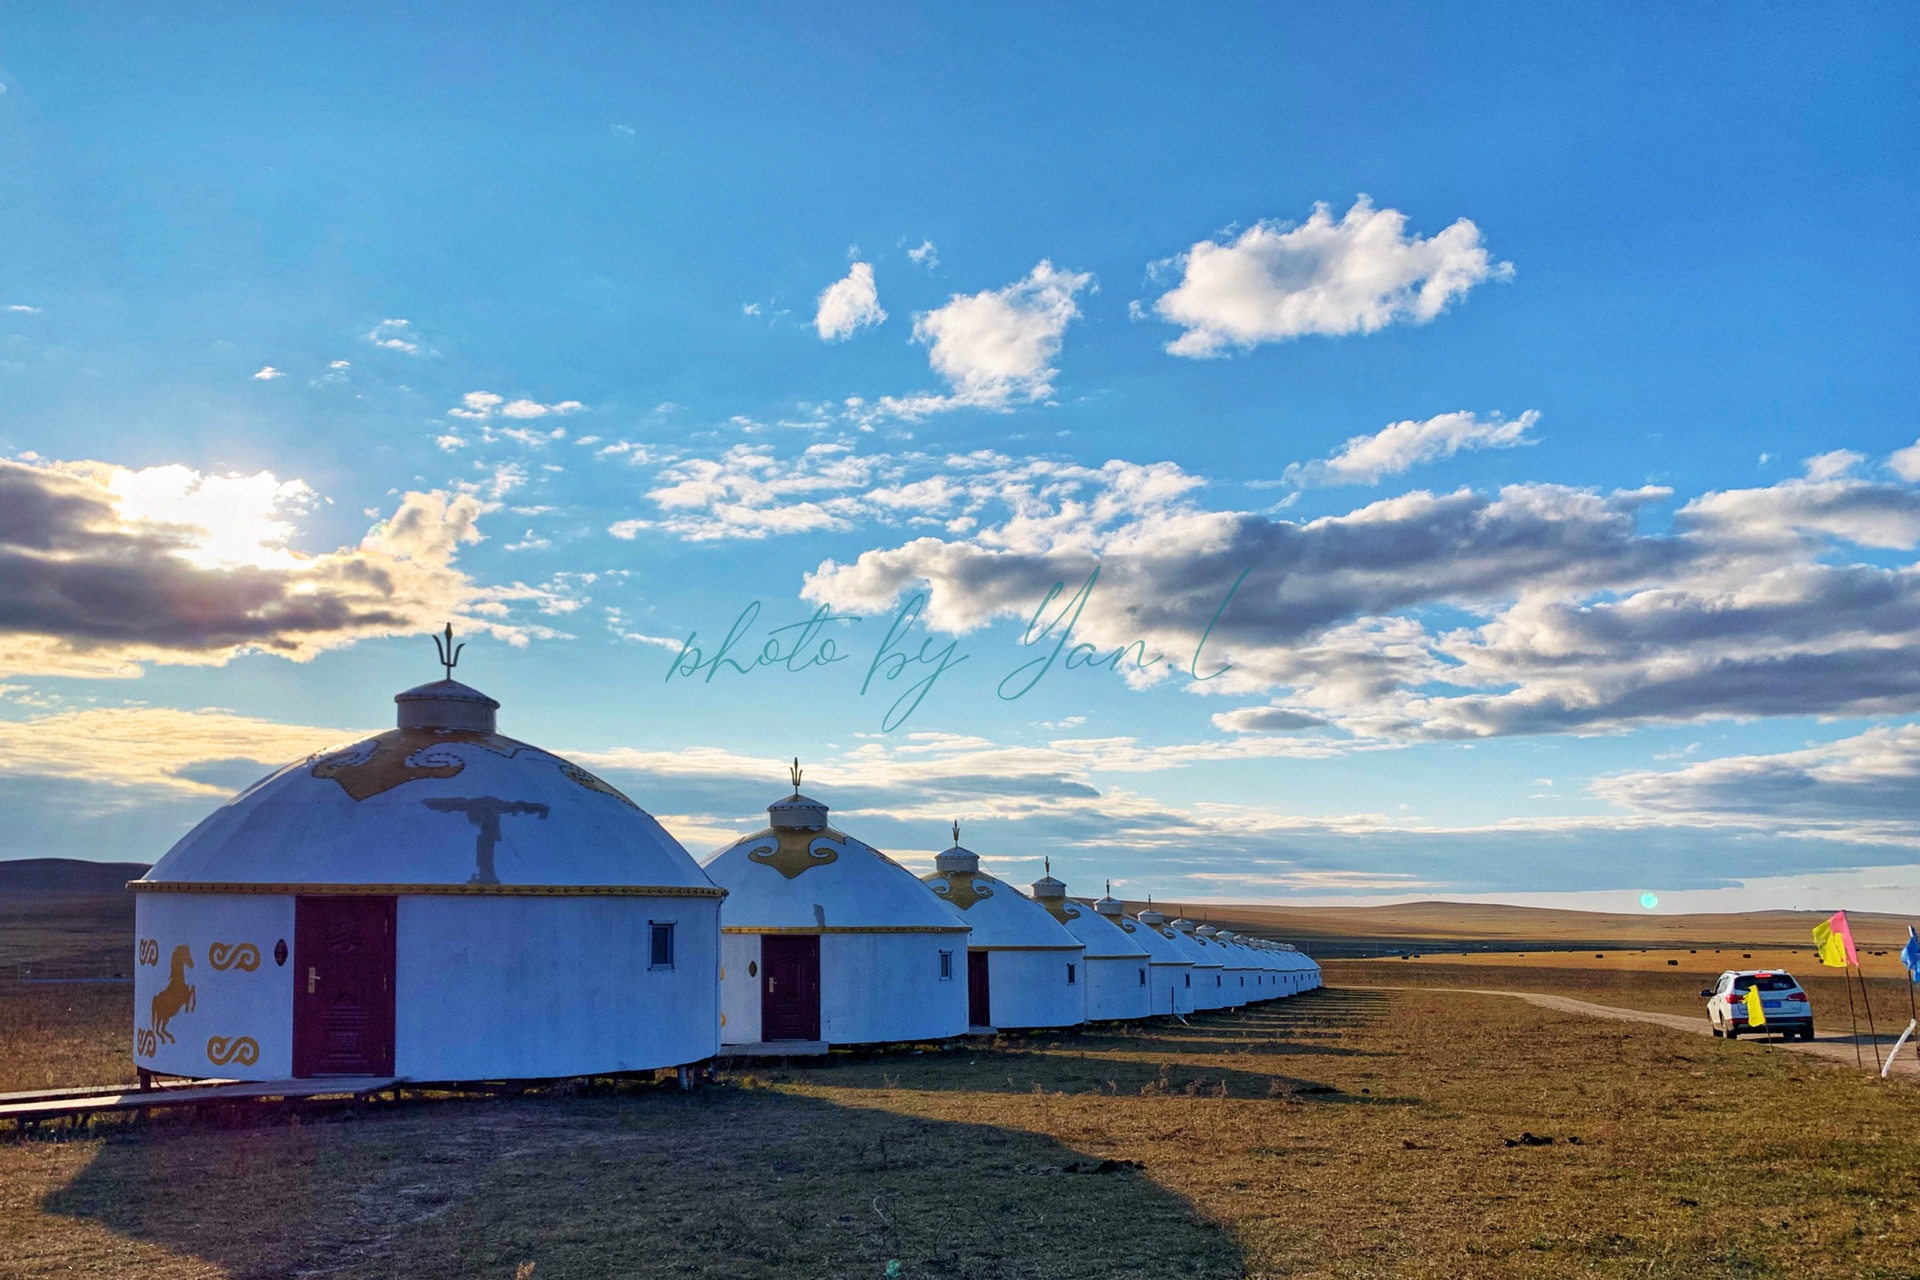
(995, 348)
(621, 130)
(23, 307)
(749, 308)
(340, 364)
(478, 406)
(849, 304)
(268, 373)
(1403, 445)
(1906, 463)
(1277, 282)
(1833, 465)
(925, 256)
(395, 335)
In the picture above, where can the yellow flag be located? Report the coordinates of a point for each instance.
(1833, 939)
(1756, 1012)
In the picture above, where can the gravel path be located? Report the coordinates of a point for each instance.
(1838, 1048)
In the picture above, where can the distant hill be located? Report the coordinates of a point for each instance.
(1494, 923)
(43, 877)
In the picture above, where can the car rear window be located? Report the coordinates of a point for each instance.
(1768, 982)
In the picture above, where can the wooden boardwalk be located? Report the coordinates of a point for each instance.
(75, 1105)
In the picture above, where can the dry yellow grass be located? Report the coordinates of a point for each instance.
(1346, 1133)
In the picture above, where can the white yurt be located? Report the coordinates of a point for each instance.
(1024, 970)
(826, 939)
(434, 903)
(1209, 966)
(1116, 963)
(1233, 976)
(1253, 972)
(1170, 968)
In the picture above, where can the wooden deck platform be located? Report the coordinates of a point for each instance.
(75, 1105)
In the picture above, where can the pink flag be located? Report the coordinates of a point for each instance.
(1834, 941)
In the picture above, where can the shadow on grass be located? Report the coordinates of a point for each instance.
(1143, 1058)
(728, 1181)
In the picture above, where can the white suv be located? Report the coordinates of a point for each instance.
(1785, 1004)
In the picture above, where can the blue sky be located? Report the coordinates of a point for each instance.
(590, 329)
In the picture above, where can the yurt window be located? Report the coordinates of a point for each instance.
(1070, 975)
(946, 966)
(1143, 977)
(1189, 979)
(661, 955)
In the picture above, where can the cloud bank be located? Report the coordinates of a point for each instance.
(103, 569)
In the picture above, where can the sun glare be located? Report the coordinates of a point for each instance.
(234, 520)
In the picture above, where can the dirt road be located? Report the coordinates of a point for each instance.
(1838, 1048)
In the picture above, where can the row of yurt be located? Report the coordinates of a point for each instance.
(440, 902)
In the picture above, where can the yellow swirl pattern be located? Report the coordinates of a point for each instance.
(241, 1049)
(234, 955)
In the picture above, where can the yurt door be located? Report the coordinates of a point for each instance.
(790, 986)
(343, 986)
(979, 1002)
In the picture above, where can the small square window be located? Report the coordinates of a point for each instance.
(946, 966)
(1070, 977)
(660, 945)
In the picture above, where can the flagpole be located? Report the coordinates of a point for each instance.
(1854, 1018)
(1866, 998)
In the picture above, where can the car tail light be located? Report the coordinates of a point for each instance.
(1798, 997)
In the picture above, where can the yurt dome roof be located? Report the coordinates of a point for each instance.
(999, 914)
(800, 873)
(443, 803)
(1156, 938)
(1103, 937)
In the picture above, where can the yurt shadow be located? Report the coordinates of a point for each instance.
(730, 1182)
(1140, 1071)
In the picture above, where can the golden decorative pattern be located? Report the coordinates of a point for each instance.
(1062, 909)
(576, 774)
(384, 890)
(961, 888)
(380, 764)
(241, 1049)
(243, 956)
(175, 998)
(791, 851)
(858, 928)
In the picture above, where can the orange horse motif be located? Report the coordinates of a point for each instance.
(176, 996)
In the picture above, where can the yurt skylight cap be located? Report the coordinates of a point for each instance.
(1151, 917)
(1109, 905)
(797, 812)
(1206, 931)
(1046, 886)
(956, 858)
(446, 703)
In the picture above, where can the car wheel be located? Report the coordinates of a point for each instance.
(1714, 1027)
(1733, 1032)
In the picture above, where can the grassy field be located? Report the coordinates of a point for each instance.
(1345, 1133)
(1361, 1131)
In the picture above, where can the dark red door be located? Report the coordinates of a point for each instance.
(343, 986)
(979, 1003)
(790, 986)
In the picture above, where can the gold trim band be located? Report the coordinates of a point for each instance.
(850, 928)
(993, 948)
(395, 890)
